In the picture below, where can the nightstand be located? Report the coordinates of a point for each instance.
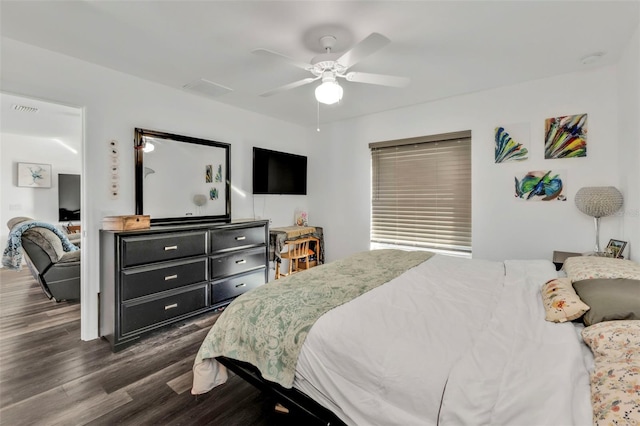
(560, 256)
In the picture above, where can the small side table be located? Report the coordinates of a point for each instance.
(560, 256)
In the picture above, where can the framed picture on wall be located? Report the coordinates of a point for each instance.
(34, 175)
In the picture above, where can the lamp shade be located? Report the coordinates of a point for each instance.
(598, 201)
(329, 92)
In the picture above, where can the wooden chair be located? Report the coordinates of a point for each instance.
(296, 251)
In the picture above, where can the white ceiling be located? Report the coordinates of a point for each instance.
(50, 120)
(447, 48)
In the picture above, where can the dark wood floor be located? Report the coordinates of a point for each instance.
(48, 376)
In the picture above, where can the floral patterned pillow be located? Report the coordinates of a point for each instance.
(591, 267)
(561, 303)
(615, 381)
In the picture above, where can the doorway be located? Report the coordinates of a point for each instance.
(50, 136)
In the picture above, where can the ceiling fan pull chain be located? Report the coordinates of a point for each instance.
(318, 115)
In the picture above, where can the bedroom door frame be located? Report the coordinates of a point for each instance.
(88, 304)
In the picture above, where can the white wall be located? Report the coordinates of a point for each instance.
(38, 203)
(503, 227)
(339, 165)
(629, 142)
(114, 104)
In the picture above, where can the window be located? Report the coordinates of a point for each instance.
(421, 193)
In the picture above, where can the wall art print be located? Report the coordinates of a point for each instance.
(114, 185)
(219, 173)
(510, 145)
(541, 185)
(34, 175)
(213, 193)
(565, 137)
(208, 176)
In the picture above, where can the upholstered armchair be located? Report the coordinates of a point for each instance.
(57, 270)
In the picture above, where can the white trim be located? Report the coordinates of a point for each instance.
(88, 301)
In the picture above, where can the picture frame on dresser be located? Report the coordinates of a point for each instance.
(174, 178)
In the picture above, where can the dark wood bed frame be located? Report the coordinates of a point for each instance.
(293, 399)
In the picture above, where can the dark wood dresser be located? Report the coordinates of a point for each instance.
(155, 277)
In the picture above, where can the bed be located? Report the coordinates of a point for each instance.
(411, 338)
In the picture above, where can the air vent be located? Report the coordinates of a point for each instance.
(207, 88)
(24, 108)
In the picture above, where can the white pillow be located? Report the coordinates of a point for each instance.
(561, 303)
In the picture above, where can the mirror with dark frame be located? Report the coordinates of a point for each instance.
(181, 179)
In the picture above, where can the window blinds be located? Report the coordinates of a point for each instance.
(421, 192)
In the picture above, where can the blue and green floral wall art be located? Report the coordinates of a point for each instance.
(540, 185)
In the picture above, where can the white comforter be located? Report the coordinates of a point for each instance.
(452, 341)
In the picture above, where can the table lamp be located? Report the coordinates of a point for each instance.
(598, 201)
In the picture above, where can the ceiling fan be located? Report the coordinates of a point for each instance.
(330, 66)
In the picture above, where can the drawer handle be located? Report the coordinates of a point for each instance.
(240, 261)
(240, 285)
(171, 277)
(171, 248)
(241, 238)
(166, 308)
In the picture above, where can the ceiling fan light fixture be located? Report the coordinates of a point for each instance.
(330, 66)
(329, 92)
(148, 147)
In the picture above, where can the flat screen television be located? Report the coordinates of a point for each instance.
(68, 197)
(277, 172)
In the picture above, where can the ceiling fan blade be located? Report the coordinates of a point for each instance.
(289, 86)
(380, 79)
(280, 56)
(366, 47)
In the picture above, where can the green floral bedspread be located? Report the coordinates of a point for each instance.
(268, 325)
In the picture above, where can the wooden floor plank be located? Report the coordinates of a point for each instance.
(49, 376)
(182, 383)
(57, 407)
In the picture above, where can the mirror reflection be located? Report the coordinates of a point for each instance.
(179, 178)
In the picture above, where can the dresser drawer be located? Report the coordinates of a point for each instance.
(136, 316)
(143, 281)
(235, 286)
(233, 239)
(160, 247)
(238, 262)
